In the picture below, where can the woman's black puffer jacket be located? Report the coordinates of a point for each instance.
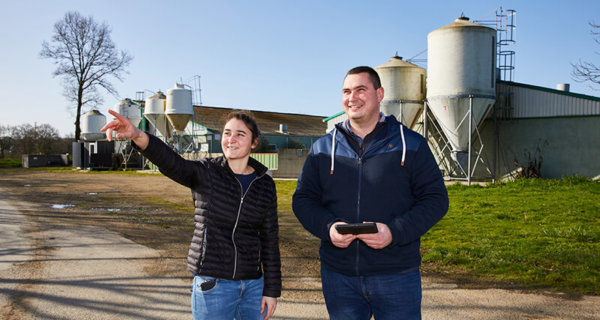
(235, 235)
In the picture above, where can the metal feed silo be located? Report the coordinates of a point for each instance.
(91, 123)
(461, 77)
(404, 89)
(154, 111)
(179, 109)
(129, 110)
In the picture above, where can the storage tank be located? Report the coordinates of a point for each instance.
(179, 109)
(461, 70)
(129, 110)
(91, 123)
(154, 111)
(404, 90)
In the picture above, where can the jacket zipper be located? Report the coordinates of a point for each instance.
(358, 209)
(237, 219)
(358, 220)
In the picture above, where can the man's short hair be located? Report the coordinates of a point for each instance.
(372, 75)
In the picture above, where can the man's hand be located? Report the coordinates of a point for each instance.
(378, 240)
(270, 303)
(340, 240)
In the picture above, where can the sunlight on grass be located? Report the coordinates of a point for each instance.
(534, 232)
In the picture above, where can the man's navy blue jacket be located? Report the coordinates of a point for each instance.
(395, 181)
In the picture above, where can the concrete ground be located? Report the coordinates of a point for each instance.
(58, 271)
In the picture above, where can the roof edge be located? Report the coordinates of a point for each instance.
(260, 111)
(565, 93)
(333, 116)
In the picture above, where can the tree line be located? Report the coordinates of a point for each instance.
(32, 139)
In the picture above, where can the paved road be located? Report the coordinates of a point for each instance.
(66, 272)
(56, 271)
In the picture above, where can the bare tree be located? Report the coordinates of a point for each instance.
(587, 71)
(85, 57)
(36, 139)
(6, 141)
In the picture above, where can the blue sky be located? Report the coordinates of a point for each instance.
(284, 56)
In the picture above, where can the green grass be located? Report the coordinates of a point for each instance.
(10, 163)
(285, 191)
(75, 170)
(532, 234)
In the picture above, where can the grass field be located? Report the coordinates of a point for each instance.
(10, 163)
(532, 233)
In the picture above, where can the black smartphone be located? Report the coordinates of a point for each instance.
(356, 228)
(208, 284)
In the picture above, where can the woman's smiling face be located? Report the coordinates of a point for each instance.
(237, 140)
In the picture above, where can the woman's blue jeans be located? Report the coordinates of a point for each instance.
(386, 297)
(227, 299)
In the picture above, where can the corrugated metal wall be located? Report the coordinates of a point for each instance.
(536, 102)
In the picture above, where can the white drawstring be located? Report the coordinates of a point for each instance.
(333, 149)
(403, 145)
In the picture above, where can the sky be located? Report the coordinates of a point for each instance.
(271, 55)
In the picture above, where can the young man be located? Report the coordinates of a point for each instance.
(370, 168)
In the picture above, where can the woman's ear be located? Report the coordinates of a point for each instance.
(254, 144)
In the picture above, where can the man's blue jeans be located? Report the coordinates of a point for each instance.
(227, 299)
(386, 297)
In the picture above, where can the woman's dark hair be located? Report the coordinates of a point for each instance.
(247, 118)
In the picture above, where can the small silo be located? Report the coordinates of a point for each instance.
(404, 90)
(154, 111)
(179, 109)
(461, 75)
(91, 123)
(129, 110)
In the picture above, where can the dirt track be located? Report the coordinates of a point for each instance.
(153, 213)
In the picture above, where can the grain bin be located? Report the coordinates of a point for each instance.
(404, 90)
(91, 123)
(129, 110)
(179, 109)
(154, 111)
(461, 77)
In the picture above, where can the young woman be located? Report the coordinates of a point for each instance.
(235, 239)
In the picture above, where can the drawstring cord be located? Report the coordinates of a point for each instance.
(333, 150)
(403, 145)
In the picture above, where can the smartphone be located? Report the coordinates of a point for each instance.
(356, 228)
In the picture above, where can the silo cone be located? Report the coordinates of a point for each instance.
(179, 109)
(154, 111)
(461, 75)
(404, 90)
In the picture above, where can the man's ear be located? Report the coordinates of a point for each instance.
(380, 94)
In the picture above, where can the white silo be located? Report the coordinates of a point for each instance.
(179, 109)
(91, 123)
(154, 111)
(404, 89)
(129, 110)
(461, 77)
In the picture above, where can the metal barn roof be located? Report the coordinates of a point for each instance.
(268, 122)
